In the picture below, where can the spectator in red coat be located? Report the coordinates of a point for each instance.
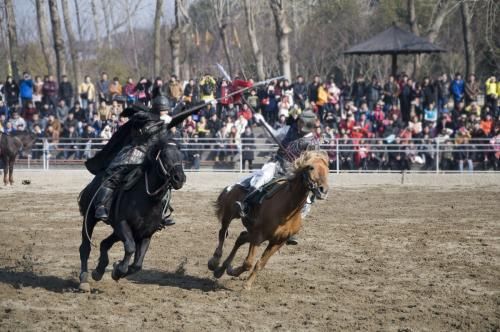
(246, 113)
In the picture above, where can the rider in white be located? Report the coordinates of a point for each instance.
(296, 137)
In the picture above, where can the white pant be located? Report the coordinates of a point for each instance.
(264, 175)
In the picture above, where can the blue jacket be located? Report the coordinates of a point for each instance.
(26, 89)
(457, 89)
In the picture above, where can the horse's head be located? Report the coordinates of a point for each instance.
(313, 166)
(169, 163)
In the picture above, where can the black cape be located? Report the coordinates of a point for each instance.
(138, 116)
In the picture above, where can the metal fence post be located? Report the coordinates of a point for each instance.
(240, 150)
(437, 156)
(337, 161)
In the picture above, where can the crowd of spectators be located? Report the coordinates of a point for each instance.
(365, 124)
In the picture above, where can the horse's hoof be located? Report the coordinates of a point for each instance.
(213, 263)
(247, 286)
(219, 272)
(116, 274)
(96, 275)
(84, 287)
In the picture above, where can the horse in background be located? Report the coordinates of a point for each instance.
(10, 145)
(275, 220)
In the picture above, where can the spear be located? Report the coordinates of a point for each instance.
(178, 118)
(228, 78)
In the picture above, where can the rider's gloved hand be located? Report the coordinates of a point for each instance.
(258, 117)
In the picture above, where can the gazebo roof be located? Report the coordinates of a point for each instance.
(395, 40)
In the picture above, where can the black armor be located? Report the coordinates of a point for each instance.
(143, 130)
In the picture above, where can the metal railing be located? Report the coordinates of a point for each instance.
(346, 155)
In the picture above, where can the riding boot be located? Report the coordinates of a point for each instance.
(245, 205)
(103, 202)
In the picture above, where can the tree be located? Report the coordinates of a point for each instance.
(282, 32)
(12, 33)
(470, 57)
(252, 36)
(78, 20)
(178, 32)
(441, 10)
(221, 13)
(131, 32)
(107, 17)
(157, 30)
(73, 50)
(41, 16)
(96, 22)
(58, 39)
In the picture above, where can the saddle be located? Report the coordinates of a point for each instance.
(268, 190)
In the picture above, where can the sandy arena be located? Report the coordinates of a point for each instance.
(377, 255)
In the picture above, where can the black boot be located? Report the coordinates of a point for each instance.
(245, 205)
(102, 203)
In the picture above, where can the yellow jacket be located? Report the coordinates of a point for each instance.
(322, 96)
(87, 88)
(492, 88)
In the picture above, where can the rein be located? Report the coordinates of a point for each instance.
(164, 173)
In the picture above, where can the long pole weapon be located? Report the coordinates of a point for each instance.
(228, 78)
(178, 118)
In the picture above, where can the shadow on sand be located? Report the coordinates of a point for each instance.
(175, 279)
(19, 279)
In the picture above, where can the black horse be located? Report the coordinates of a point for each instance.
(10, 145)
(136, 213)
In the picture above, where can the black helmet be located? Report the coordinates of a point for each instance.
(160, 103)
(308, 119)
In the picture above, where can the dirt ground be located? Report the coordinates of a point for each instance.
(379, 257)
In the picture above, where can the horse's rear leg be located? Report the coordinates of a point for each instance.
(104, 247)
(125, 234)
(213, 263)
(11, 171)
(241, 240)
(247, 264)
(87, 229)
(5, 172)
(142, 248)
(270, 250)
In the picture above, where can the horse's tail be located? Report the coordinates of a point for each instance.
(219, 204)
(85, 197)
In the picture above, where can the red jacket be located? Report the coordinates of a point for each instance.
(238, 85)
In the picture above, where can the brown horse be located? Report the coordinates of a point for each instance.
(275, 220)
(10, 146)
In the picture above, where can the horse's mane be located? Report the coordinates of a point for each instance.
(307, 158)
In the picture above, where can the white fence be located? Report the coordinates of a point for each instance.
(346, 155)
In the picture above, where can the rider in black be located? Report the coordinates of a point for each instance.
(127, 149)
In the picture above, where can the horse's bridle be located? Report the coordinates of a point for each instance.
(164, 172)
(311, 185)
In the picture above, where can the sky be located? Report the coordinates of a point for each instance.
(25, 11)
